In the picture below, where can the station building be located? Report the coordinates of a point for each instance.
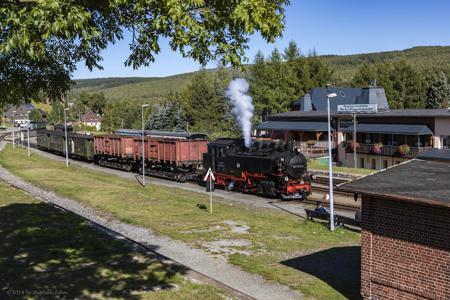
(383, 139)
(405, 230)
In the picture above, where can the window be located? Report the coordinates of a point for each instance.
(361, 163)
(373, 164)
(446, 142)
(385, 164)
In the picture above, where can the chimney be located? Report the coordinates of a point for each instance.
(373, 83)
(306, 103)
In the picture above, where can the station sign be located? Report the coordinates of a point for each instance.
(358, 108)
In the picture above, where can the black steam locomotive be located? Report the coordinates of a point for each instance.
(272, 168)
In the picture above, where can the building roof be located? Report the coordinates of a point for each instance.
(345, 95)
(301, 126)
(91, 117)
(435, 154)
(407, 129)
(417, 180)
(20, 111)
(415, 113)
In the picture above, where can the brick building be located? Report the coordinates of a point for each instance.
(405, 233)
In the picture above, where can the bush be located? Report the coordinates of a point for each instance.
(376, 148)
(353, 146)
(403, 150)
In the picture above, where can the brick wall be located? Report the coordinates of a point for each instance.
(405, 250)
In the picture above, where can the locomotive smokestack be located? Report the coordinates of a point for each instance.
(242, 106)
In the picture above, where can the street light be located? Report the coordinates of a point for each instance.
(14, 121)
(65, 134)
(330, 162)
(28, 132)
(143, 147)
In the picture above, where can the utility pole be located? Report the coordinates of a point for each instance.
(143, 144)
(28, 133)
(354, 142)
(13, 129)
(330, 162)
(65, 134)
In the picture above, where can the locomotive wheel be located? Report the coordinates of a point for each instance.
(181, 178)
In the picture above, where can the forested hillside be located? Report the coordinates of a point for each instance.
(344, 66)
(423, 57)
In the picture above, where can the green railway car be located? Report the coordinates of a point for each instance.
(79, 145)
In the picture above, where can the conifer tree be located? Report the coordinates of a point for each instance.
(438, 92)
(292, 52)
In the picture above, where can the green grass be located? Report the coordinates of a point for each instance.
(276, 239)
(48, 253)
(315, 165)
(41, 105)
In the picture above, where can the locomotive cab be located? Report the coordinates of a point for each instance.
(267, 167)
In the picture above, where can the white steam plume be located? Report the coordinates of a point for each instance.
(242, 106)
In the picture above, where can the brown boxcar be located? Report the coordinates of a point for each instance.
(114, 151)
(177, 158)
(171, 157)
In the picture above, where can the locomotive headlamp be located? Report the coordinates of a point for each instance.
(286, 178)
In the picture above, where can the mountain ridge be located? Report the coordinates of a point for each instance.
(345, 66)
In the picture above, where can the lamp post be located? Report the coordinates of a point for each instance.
(143, 145)
(28, 133)
(330, 162)
(65, 134)
(14, 121)
(354, 142)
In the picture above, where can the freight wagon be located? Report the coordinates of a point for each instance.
(174, 158)
(79, 145)
(115, 151)
(179, 159)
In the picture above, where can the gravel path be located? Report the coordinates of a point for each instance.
(195, 259)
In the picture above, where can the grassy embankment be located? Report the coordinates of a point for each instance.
(315, 165)
(49, 253)
(283, 248)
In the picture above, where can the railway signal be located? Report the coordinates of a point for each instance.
(209, 179)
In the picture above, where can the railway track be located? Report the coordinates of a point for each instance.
(319, 185)
(336, 181)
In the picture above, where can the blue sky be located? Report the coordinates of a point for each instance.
(329, 26)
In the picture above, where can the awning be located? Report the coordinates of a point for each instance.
(404, 129)
(293, 126)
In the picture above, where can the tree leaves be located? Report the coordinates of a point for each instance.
(438, 92)
(275, 83)
(42, 31)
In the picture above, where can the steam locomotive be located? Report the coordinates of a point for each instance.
(270, 168)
